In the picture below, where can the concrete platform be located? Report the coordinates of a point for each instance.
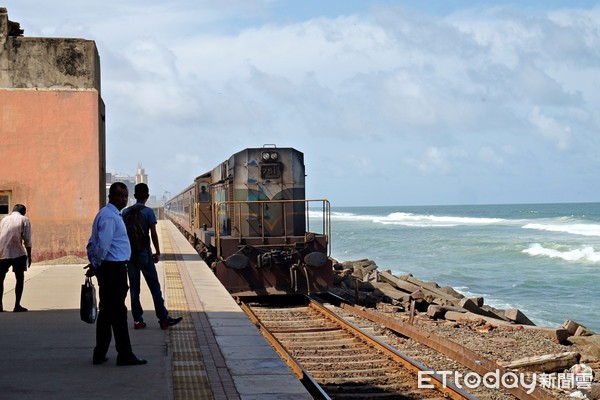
(214, 353)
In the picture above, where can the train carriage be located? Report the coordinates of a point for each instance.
(251, 222)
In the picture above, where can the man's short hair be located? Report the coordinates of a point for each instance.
(20, 208)
(141, 191)
(114, 186)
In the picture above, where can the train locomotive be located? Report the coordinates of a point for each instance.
(250, 221)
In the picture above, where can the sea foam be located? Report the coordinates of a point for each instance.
(417, 220)
(585, 253)
(573, 228)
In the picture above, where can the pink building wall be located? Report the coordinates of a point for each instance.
(52, 144)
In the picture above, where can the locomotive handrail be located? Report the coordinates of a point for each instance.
(325, 217)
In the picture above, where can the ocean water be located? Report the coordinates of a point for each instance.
(543, 259)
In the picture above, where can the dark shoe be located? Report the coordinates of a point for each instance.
(19, 309)
(165, 323)
(97, 361)
(139, 325)
(133, 360)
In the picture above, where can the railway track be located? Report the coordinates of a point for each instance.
(337, 360)
(346, 352)
(442, 354)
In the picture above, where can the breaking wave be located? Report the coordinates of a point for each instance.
(584, 253)
(573, 228)
(416, 220)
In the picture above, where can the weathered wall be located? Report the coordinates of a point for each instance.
(52, 147)
(46, 62)
(50, 63)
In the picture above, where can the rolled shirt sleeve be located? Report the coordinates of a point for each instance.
(27, 232)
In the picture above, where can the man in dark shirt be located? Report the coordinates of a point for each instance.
(142, 262)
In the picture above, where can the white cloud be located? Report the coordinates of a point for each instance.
(490, 156)
(186, 84)
(437, 160)
(550, 129)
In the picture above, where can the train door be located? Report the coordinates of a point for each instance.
(220, 214)
(204, 203)
(190, 209)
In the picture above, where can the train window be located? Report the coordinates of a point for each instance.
(204, 196)
(270, 171)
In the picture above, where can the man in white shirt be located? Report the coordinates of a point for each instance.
(15, 251)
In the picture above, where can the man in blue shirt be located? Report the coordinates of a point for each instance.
(108, 252)
(142, 262)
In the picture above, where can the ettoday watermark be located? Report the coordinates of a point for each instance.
(507, 380)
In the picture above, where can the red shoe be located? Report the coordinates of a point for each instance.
(139, 325)
(165, 323)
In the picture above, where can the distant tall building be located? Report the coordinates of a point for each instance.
(140, 175)
(130, 181)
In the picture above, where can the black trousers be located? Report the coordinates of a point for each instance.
(19, 266)
(112, 314)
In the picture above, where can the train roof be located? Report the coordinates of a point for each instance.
(247, 149)
(266, 147)
(204, 175)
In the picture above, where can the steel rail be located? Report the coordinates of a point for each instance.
(305, 378)
(447, 388)
(461, 354)
(444, 386)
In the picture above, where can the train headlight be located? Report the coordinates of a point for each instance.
(274, 156)
(266, 156)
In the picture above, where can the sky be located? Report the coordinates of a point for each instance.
(393, 103)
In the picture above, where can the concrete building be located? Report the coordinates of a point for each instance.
(52, 137)
(130, 181)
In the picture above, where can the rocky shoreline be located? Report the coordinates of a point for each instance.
(506, 336)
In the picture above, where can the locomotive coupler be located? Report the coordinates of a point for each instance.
(275, 258)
